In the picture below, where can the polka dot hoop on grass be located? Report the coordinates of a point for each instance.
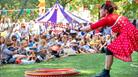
(49, 72)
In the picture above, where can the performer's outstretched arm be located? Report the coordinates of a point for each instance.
(101, 23)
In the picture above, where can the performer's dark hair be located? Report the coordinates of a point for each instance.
(109, 7)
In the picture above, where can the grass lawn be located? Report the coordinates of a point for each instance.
(87, 64)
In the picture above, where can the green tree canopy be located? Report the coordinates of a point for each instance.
(128, 8)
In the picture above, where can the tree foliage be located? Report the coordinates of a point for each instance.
(128, 8)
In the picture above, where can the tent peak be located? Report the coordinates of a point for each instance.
(57, 1)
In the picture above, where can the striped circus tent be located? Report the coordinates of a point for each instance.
(57, 14)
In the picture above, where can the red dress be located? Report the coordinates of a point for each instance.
(127, 40)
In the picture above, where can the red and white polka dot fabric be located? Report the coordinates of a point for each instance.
(127, 41)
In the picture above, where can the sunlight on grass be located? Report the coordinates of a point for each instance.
(11, 70)
(134, 65)
(51, 64)
(87, 71)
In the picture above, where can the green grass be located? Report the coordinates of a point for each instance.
(87, 64)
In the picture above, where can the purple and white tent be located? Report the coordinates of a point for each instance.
(57, 14)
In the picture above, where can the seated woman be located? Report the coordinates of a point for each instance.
(42, 53)
(83, 48)
(10, 54)
(16, 43)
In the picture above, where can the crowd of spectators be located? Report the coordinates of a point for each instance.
(31, 42)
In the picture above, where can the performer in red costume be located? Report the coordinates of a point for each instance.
(125, 42)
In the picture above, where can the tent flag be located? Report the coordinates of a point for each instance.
(28, 11)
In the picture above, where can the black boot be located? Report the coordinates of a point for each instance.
(104, 73)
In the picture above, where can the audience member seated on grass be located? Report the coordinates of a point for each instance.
(15, 42)
(62, 40)
(42, 45)
(25, 51)
(102, 42)
(75, 46)
(42, 53)
(95, 41)
(86, 47)
(93, 46)
(24, 48)
(9, 53)
(30, 53)
(24, 31)
(83, 48)
(36, 43)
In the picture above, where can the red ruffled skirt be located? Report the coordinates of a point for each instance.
(124, 45)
